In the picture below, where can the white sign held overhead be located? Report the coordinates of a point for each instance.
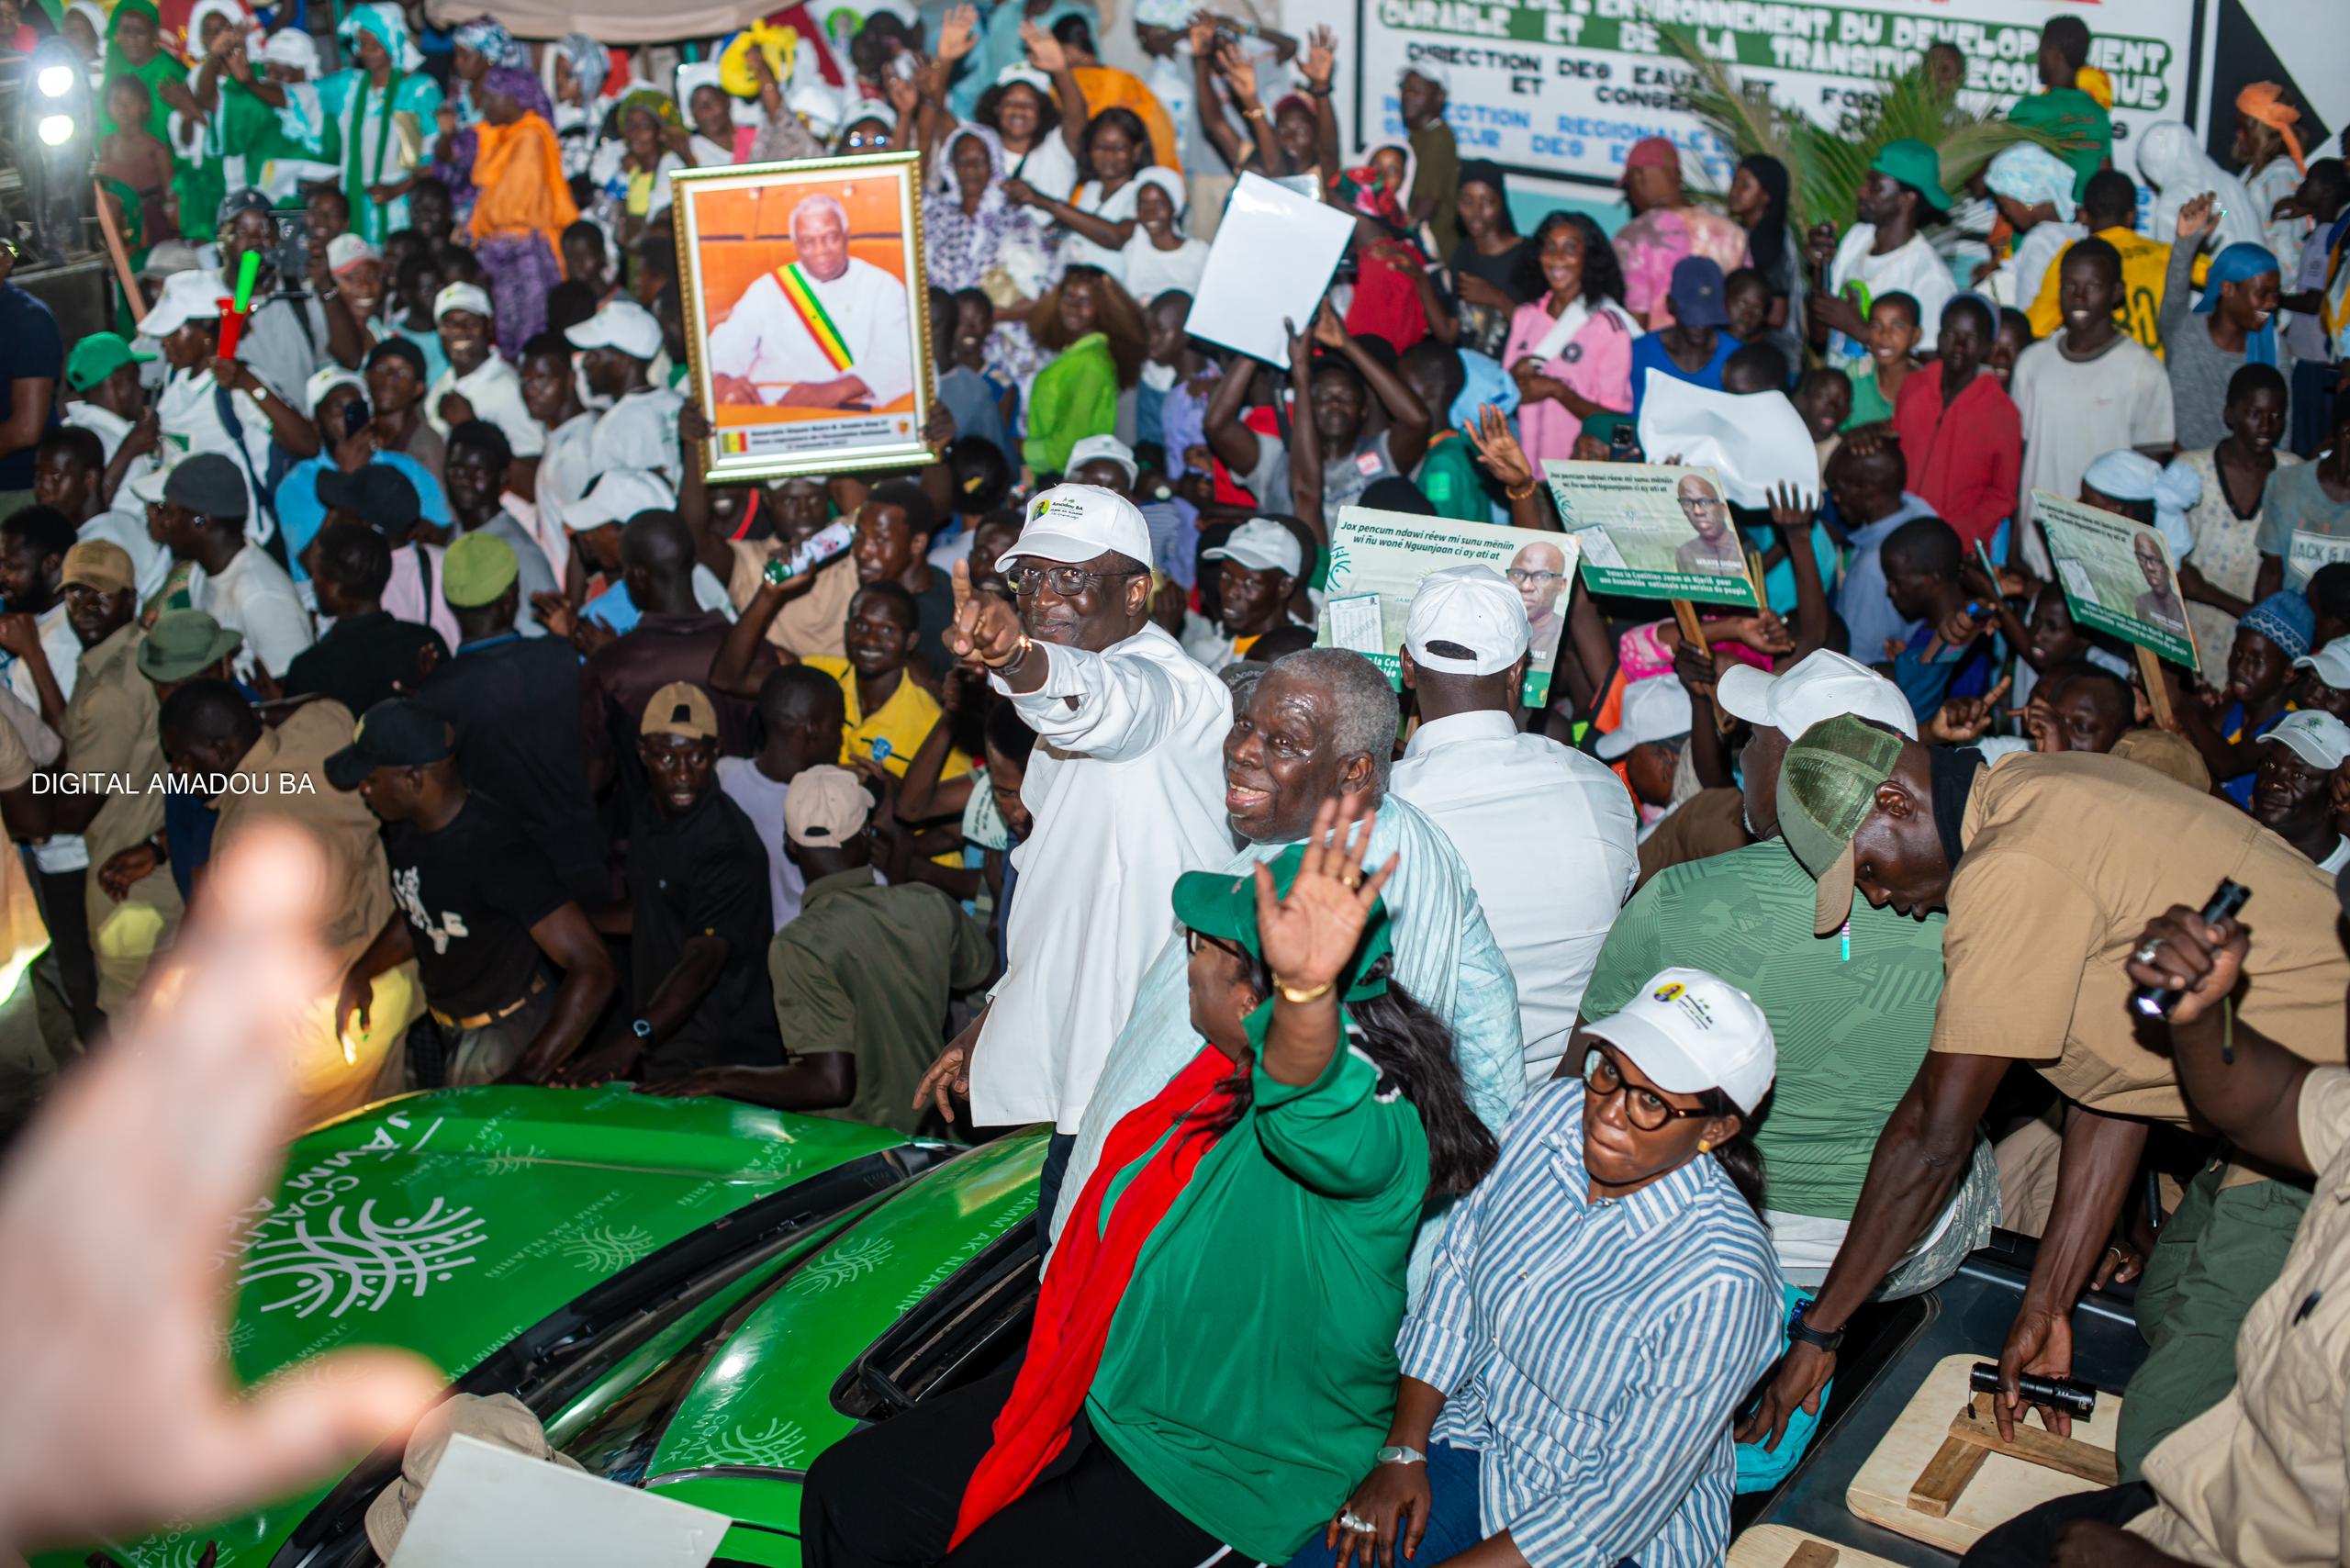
(1560, 89)
(1273, 255)
(487, 1506)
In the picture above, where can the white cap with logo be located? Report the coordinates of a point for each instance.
(1103, 449)
(617, 495)
(462, 297)
(1824, 684)
(1656, 708)
(1260, 544)
(2331, 662)
(1468, 607)
(2316, 737)
(1688, 1031)
(624, 325)
(1073, 524)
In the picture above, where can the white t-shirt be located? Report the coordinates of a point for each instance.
(1115, 208)
(1049, 167)
(255, 597)
(2074, 411)
(640, 432)
(1912, 268)
(565, 468)
(126, 527)
(1151, 271)
(761, 799)
(64, 851)
(189, 414)
(495, 389)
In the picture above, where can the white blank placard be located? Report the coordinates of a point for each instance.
(487, 1506)
(1272, 258)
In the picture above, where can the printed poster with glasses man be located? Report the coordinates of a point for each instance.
(1653, 531)
(2118, 577)
(1377, 559)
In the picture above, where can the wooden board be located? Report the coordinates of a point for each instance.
(2004, 1486)
(1776, 1546)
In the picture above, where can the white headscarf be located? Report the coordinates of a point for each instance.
(2172, 161)
(2174, 487)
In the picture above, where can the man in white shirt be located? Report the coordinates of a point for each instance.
(200, 516)
(827, 331)
(1548, 832)
(1126, 790)
(1257, 571)
(197, 413)
(616, 348)
(478, 385)
(102, 373)
(1883, 252)
(69, 473)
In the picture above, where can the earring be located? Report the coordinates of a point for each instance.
(1704, 1145)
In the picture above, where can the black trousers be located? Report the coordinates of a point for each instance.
(1057, 1149)
(65, 909)
(2027, 1540)
(887, 1496)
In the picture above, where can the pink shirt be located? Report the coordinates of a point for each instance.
(1596, 364)
(1649, 245)
(407, 598)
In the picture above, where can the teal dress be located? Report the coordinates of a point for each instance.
(383, 134)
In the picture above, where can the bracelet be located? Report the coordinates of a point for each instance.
(1018, 656)
(1314, 92)
(1291, 994)
(1520, 495)
(1256, 113)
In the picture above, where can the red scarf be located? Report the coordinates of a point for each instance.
(1084, 1284)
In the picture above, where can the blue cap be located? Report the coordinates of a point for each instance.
(1696, 293)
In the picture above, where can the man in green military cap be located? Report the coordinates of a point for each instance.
(2050, 868)
(185, 645)
(1885, 252)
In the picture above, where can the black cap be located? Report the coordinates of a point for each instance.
(378, 495)
(396, 732)
(210, 486)
(242, 201)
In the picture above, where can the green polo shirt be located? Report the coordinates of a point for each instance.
(868, 970)
(1851, 1021)
(1448, 477)
(1250, 1369)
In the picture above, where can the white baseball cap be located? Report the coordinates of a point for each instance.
(2317, 737)
(1690, 1031)
(462, 297)
(1656, 708)
(1824, 684)
(327, 379)
(149, 487)
(2331, 662)
(186, 296)
(1261, 546)
(617, 495)
(346, 250)
(1427, 71)
(1471, 607)
(1103, 449)
(624, 325)
(1073, 524)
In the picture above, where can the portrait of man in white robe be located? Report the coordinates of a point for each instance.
(828, 331)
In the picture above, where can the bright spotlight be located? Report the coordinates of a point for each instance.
(55, 81)
(56, 131)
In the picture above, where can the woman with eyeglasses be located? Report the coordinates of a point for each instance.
(1260, 1212)
(1599, 1305)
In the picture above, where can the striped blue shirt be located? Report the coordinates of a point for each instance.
(1590, 1353)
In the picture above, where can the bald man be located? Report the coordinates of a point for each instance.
(1538, 572)
(1715, 548)
(826, 330)
(2157, 606)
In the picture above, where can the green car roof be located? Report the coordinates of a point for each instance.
(449, 1222)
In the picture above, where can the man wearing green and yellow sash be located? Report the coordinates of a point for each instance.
(824, 331)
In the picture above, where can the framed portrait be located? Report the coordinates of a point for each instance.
(807, 313)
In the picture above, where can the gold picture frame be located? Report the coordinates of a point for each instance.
(761, 327)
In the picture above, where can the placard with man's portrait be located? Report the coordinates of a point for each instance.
(1653, 531)
(807, 313)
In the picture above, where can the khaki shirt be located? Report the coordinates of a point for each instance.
(287, 766)
(2066, 858)
(2260, 1477)
(111, 728)
(812, 624)
(23, 937)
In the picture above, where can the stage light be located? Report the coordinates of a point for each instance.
(55, 81)
(56, 131)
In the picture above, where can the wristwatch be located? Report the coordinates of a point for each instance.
(1396, 1453)
(1804, 1333)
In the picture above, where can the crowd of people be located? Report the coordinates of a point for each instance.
(1518, 1102)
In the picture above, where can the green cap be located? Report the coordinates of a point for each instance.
(1827, 786)
(1915, 164)
(1219, 903)
(477, 570)
(98, 356)
(182, 642)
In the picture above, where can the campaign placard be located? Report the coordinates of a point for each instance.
(2118, 577)
(1649, 531)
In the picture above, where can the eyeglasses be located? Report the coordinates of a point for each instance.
(1066, 581)
(1644, 1108)
(1524, 578)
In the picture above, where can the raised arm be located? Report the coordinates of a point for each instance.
(1241, 73)
(1213, 118)
(1046, 52)
(1234, 444)
(1792, 514)
(1407, 428)
(740, 664)
(1320, 65)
